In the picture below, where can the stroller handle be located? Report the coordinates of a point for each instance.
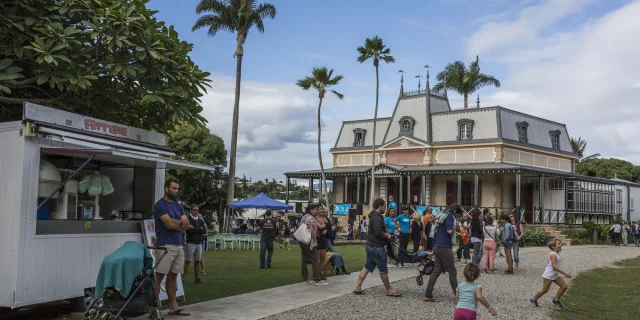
(156, 248)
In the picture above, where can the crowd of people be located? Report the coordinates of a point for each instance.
(619, 233)
(438, 233)
(434, 233)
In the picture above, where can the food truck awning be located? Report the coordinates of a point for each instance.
(132, 159)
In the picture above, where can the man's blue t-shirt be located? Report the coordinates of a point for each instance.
(404, 220)
(442, 238)
(390, 224)
(167, 236)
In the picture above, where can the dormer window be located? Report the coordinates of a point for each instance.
(358, 137)
(523, 128)
(406, 126)
(555, 139)
(465, 129)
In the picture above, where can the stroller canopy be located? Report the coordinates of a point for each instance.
(260, 201)
(121, 267)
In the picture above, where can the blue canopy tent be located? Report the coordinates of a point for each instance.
(260, 201)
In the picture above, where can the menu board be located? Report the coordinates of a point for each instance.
(149, 232)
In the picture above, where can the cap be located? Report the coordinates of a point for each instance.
(268, 212)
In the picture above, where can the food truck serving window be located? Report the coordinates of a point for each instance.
(84, 191)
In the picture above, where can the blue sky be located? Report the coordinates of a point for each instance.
(522, 43)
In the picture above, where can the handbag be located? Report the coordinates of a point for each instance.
(303, 234)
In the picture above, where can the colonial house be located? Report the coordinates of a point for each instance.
(430, 154)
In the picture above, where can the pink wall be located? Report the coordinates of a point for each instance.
(405, 157)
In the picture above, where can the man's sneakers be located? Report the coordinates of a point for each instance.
(534, 303)
(322, 283)
(269, 266)
(557, 303)
(198, 280)
(309, 282)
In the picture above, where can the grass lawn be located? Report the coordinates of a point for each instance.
(606, 293)
(230, 273)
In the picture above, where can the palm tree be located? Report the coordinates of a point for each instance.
(237, 16)
(465, 81)
(578, 146)
(321, 79)
(376, 50)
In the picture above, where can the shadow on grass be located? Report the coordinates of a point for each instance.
(605, 293)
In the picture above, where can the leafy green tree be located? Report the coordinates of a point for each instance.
(203, 188)
(464, 80)
(374, 49)
(236, 16)
(321, 79)
(110, 59)
(609, 168)
(578, 146)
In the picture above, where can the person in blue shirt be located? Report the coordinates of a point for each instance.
(390, 224)
(445, 227)
(170, 223)
(403, 222)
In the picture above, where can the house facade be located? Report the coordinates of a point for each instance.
(430, 154)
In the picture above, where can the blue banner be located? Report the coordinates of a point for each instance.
(341, 209)
(421, 209)
(436, 210)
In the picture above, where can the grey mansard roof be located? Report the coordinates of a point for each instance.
(490, 124)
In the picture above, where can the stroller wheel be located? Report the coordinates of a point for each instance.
(419, 280)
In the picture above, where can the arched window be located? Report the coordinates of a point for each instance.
(523, 128)
(555, 139)
(406, 126)
(465, 129)
(358, 137)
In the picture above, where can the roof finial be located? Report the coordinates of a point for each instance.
(478, 102)
(428, 87)
(418, 76)
(402, 72)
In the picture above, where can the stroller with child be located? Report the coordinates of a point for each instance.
(124, 287)
(425, 265)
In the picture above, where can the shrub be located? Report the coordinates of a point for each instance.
(535, 237)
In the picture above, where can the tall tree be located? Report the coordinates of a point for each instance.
(321, 79)
(236, 16)
(109, 59)
(197, 144)
(374, 49)
(578, 146)
(464, 80)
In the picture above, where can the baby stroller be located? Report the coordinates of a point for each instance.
(425, 265)
(124, 287)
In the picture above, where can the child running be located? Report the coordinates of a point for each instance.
(552, 274)
(468, 294)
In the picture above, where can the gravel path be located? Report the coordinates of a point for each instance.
(509, 295)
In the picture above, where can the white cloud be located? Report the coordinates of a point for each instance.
(414, 23)
(586, 78)
(277, 129)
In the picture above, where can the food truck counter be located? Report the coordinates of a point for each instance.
(49, 227)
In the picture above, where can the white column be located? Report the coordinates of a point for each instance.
(459, 195)
(358, 190)
(344, 200)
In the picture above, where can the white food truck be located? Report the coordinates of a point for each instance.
(73, 190)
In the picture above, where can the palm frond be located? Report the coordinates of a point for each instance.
(266, 10)
(305, 83)
(214, 6)
(338, 94)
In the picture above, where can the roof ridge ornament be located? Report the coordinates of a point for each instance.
(478, 102)
(418, 76)
(402, 72)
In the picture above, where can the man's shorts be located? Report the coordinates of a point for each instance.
(173, 262)
(194, 251)
(376, 256)
(508, 245)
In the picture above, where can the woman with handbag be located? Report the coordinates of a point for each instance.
(517, 238)
(491, 239)
(306, 235)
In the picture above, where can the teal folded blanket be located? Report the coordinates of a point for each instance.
(121, 267)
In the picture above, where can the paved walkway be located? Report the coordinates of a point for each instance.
(302, 301)
(265, 303)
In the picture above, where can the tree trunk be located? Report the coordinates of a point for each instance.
(373, 145)
(323, 182)
(234, 132)
(466, 100)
